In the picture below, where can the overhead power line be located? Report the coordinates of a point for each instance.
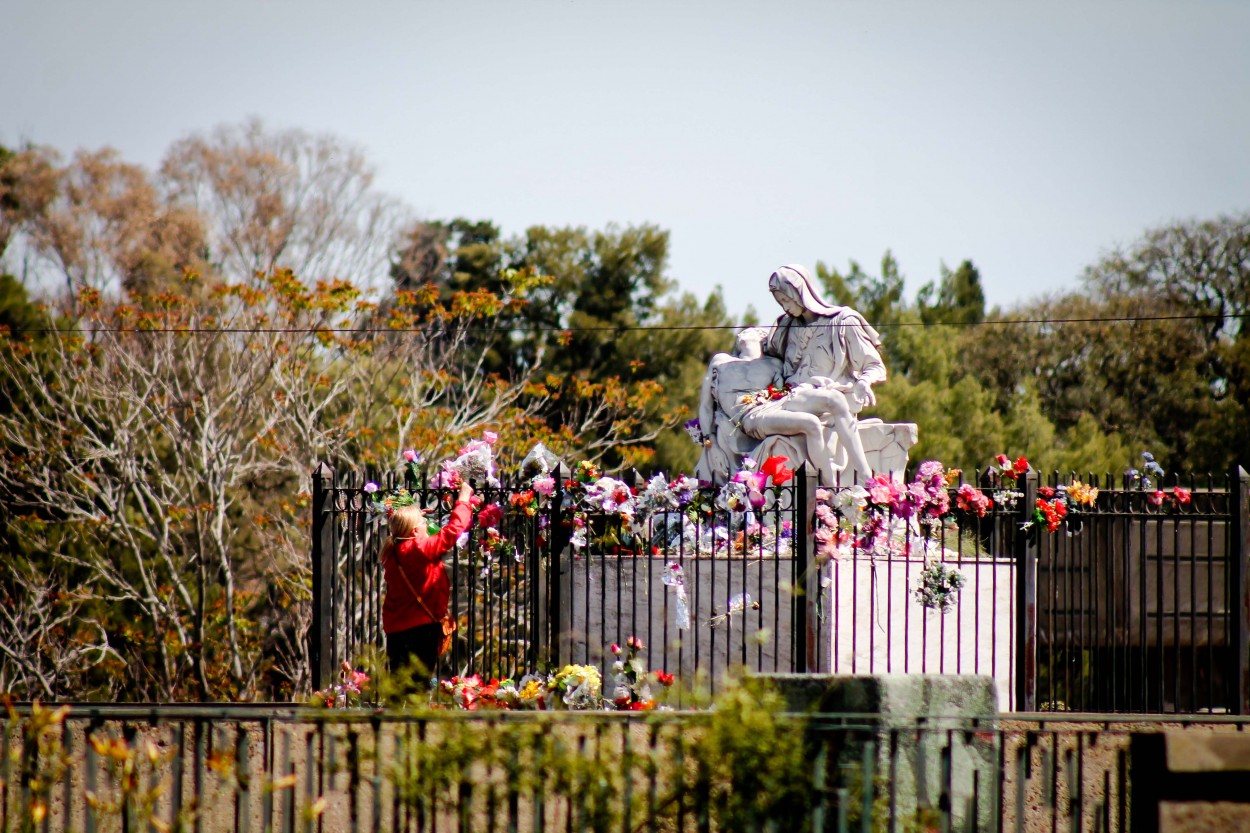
(1003, 322)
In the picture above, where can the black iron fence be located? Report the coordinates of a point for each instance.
(270, 768)
(1137, 602)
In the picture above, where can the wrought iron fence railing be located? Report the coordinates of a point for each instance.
(1138, 601)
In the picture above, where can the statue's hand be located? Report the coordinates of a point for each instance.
(862, 395)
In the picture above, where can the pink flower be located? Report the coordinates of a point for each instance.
(905, 503)
(1004, 462)
(616, 649)
(370, 488)
(971, 499)
(490, 437)
(882, 490)
(411, 455)
(826, 539)
(1181, 495)
(1155, 498)
(634, 642)
(544, 485)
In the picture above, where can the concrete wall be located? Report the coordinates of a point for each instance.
(874, 624)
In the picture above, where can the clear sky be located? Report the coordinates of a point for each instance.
(1028, 137)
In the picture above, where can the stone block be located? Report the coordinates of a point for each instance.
(925, 737)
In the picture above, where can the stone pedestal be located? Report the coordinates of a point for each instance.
(917, 736)
(887, 444)
(874, 624)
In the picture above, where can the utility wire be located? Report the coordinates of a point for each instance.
(1003, 322)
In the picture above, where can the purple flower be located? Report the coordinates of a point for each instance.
(371, 487)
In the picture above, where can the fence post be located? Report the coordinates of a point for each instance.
(321, 633)
(1239, 581)
(536, 580)
(555, 533)
(802, 597)
(1026, 599)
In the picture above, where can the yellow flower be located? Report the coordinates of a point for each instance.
(1082, 493)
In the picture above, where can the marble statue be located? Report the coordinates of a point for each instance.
(744, 401)
(797, 389)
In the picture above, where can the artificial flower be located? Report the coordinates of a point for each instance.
(489, 516)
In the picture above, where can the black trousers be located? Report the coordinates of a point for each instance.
(420, 643)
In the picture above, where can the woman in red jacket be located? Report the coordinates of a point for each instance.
(417, 588)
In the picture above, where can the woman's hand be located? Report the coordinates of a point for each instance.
(466, 492)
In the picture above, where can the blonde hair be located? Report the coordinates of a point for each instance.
(404, 521)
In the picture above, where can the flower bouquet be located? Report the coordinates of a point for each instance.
(473, 462)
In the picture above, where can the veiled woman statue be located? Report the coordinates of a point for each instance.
(830, 359)
(794, 389)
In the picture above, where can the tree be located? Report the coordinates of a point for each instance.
(878, 299)
(959, 297)
(159, 457)
(584, 303)
(284, 199)
(97, 223)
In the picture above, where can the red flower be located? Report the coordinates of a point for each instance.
(1051, 513)
(1046, 492)
(1003, 461)
(663, 678)
(775, 467)
(1155, 498)
(1181, 495)
(490, 515)
(1020, 466)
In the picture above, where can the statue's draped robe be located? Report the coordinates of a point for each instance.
(841, 349)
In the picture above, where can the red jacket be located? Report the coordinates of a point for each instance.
(421, 560)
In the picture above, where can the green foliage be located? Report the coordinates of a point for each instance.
(878, 298)
(741, 764)
(959, 297)
(585, 319)
(18, 316)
